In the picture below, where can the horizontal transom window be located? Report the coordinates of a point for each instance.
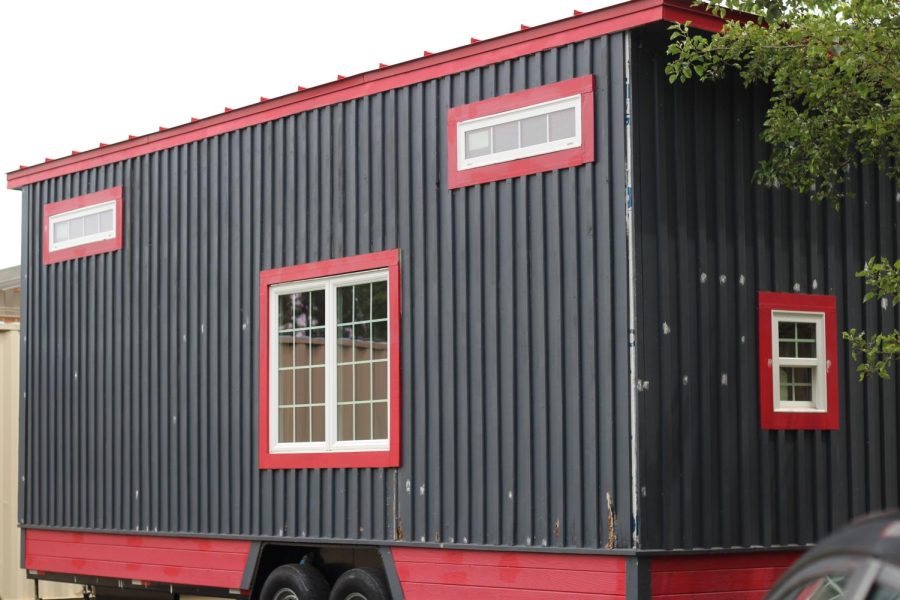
(529, 131)
(83, 226)
(535, 130)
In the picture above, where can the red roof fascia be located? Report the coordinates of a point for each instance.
(615, 18)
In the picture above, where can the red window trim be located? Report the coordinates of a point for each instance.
(389, 259)
(769, 418)
(583, 85)
(55, 208)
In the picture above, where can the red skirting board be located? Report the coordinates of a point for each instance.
(444, 574)
(149, 559)
(718, 576)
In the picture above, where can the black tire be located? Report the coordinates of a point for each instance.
(295, 582)
(361, 584)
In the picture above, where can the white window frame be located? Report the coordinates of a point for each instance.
(54, 220)
(518, 114)
(330, 285)
(819, 402)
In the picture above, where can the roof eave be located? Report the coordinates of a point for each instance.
(603, 21)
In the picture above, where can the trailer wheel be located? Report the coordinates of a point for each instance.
(295, 582)
(361, 584)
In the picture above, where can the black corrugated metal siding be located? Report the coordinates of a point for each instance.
(141, 365)
(708, 240)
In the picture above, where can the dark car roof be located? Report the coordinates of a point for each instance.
(875, 536)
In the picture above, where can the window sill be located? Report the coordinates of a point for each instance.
(331, 460)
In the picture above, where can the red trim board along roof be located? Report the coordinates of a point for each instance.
(584, 26)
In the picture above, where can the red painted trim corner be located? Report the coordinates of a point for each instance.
(439, 574)
(583, 85)
(717, 575)
(55, 208)
(204, 562)
(389, 259)
(769, 418)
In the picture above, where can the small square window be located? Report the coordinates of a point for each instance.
(798, 374)
(330, 364)
(82, 226)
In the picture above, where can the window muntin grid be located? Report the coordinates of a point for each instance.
(82, 226)
(520, 133)
(306, 375)
(301, 367)
(362, 362)
(798, 361)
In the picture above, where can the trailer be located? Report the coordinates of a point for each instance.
(507, 321)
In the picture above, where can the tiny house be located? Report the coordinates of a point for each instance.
(507, 321)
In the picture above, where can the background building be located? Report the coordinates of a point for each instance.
(13, 583)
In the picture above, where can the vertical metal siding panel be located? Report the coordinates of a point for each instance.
(409, 138)
(235, 327)
(151, 480)
(206, 292)
(135, 422)
(506, 334)
(606, 426)
(586, 357)
(144, 425)
(228, 329)
(721, 480)
(556, 328)
(274, 200)
(26, 437)
(49, 441)
(187, 207)
(82, 281)
(748, 451)
(211, 335)
(67, 388)
(181, 339)
(618, 324)
(240, 332)
(166, 491)
(250, 264)
(39, 325)
(432, 234)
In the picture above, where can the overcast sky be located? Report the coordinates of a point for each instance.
(77, 73)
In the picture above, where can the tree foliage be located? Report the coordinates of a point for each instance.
(833, 68)
(877, 351)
